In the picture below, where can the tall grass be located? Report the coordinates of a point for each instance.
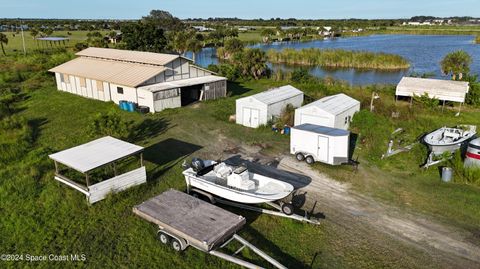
(477, 39)
(338, 58)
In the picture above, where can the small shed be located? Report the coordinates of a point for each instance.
(258, 109)
(444, 90)
(334, 111)
(106, 152)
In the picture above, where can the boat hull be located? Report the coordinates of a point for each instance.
(230, 193)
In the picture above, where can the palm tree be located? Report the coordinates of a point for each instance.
(457, 64)
(252, 62)
(267, 33)
(3, 40)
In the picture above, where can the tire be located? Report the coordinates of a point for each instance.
(309, 160)
(176, 245)
(163, 237)
(300, 157)
(287, 209)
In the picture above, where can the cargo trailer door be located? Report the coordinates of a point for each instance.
(322, 152)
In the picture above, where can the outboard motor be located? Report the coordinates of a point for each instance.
(197, 164)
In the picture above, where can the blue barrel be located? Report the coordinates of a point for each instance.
(286, 130)
(131, 106)
(123, 105)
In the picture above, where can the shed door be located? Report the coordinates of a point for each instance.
(314, 119)
(250, 117)
(322, 154)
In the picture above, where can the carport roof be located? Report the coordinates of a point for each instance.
(96, 153)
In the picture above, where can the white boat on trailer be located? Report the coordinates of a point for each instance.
(232, 185)
(235, 183)
(447, 139)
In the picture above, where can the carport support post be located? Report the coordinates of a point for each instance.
(87, 180)
(443, 106)
(56, 167)
(114, 168)
(141, 159)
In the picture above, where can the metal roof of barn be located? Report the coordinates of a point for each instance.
(181, 83)
(141, 57)
(321, 129)
(95, 153)
(447, 90)
(334, 104)
(276, 95)
(121, 73)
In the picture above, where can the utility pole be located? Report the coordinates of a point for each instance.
(23, 39)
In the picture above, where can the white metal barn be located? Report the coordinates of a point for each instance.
(334, 111)
(86, 159)
(253, 111)
(315, 143)
(155, 80)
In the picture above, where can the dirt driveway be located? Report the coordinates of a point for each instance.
(357, 213)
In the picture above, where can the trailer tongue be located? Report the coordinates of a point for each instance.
(185, 221)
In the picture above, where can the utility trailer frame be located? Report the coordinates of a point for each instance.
(184, 220)
(277, 212)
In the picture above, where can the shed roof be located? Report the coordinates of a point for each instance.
(182, 83)
(447, 90)
(334, 104)
(122, 73)
(321, 129)
(277, 94)
(142, 57)
(95, 153)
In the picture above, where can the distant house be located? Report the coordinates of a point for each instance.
(155, 80)
(203, 29)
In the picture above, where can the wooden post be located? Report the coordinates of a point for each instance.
(114, 168)
(141, 159)
(56, 167)
(87, 180)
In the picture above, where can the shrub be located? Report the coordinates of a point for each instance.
(301, 76)
(111, 124)
(426, 101)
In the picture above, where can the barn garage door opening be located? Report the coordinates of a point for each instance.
(190, 94)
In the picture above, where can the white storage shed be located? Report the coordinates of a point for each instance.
(315, 143)
(334, 111)
(258, 109)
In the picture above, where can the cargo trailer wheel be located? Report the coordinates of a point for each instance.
(300, 157)
(287, 209)
(163, 237)
(309, 160)
(176, 245)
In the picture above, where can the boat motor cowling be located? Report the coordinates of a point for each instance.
(197, 164)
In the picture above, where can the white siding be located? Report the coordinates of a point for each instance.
(251, 103)
(145, 98)
(318, 116)
(275, 109)
(129, 94)
(116, 184)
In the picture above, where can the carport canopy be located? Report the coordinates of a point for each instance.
(96, 153)
(444, 90)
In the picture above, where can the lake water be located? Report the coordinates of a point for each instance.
(424, 52)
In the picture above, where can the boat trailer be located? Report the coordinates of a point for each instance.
(391, 142)
(279, 209)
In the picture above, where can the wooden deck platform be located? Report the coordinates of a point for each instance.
(202, 224)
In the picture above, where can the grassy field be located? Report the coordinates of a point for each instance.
(40, 216)
(15, 40)
(338, 58)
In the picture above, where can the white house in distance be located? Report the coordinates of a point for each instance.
(334, 111)
(155, 80)
(253, 111)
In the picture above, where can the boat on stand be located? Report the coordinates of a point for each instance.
(447, 140)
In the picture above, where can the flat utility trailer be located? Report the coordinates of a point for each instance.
(184, 220)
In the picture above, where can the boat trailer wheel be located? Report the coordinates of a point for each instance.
(287, 209)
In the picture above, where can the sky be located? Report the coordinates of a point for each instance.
(247, 9)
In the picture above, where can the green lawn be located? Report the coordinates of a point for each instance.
(40, 216)
(15, 40)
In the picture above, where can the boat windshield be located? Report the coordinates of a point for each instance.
(240, 169)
